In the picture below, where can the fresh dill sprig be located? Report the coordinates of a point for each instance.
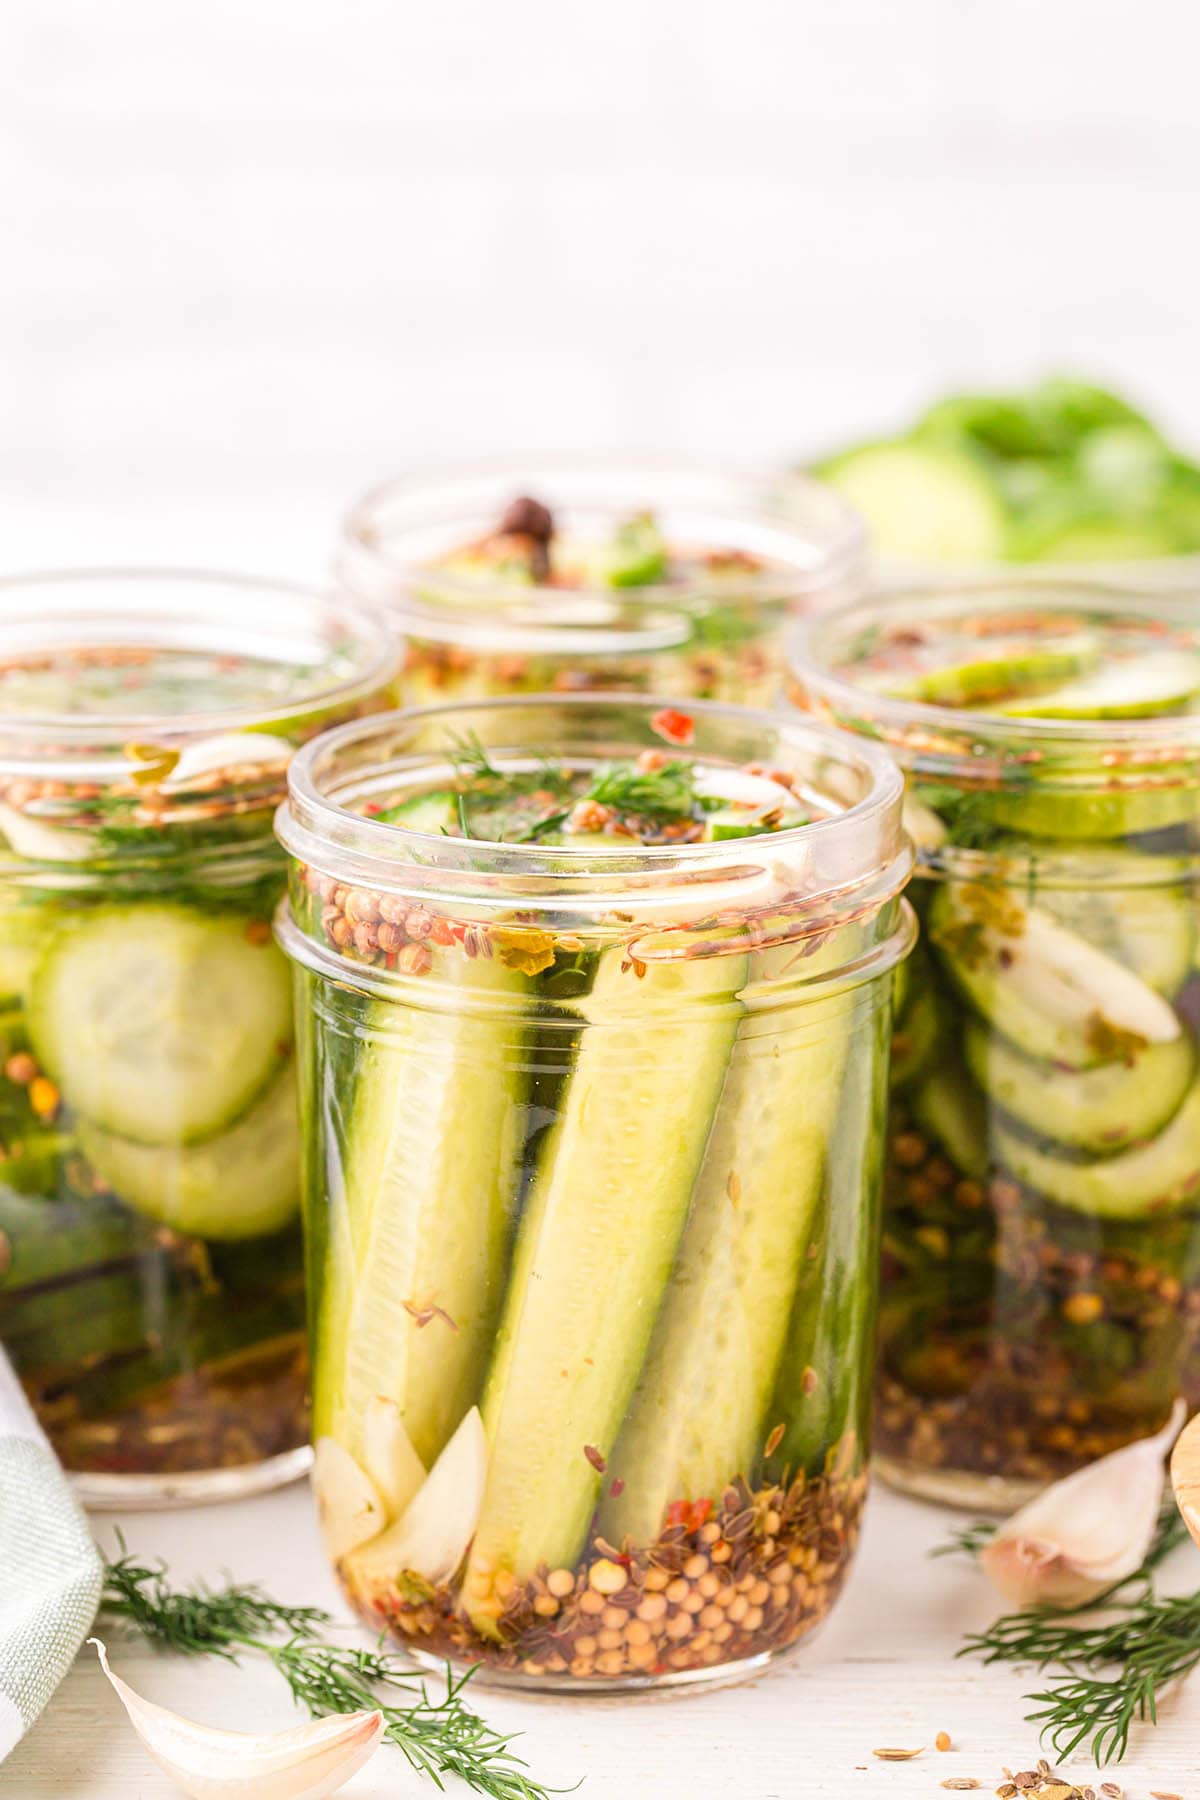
(968, 1541)
(1117, 1651)
(438, 1736)
(471, 760)
(665, 793)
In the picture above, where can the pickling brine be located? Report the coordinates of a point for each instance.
(151, 1283)
(1041, 1300)
(595, 1002)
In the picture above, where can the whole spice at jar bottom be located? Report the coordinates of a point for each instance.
(1006, 1375)
(754, 1573)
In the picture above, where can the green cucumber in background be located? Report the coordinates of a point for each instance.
(1062, 471)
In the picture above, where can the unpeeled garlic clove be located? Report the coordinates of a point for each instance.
(432, 1536)
(391, 1461)
(305, 1763)
(350, 1508)
(1185, 1476)
(1087, 1531)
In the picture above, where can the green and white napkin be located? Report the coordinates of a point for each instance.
(50, 1571)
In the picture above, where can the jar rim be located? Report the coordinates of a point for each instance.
(925, 736)
(861, 844)
(811, 540)
(124, 605)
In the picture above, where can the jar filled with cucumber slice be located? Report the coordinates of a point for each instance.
(596, 999)
(1041, 1301)
(585, 574)
(151, 1293)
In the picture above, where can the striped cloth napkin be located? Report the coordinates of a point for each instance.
(50, 1572)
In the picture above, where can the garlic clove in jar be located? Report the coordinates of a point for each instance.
(433, 1534)
(350, 1508)
(391, 1460)
(306, 1763)
(1085, 1532)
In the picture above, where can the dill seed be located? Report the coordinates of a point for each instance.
(960, 1782)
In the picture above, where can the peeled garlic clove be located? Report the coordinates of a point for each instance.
(391, 1461)
(350, 1509)
(924, 827)
(1185, 1476)
(305, 1763)
(1085, 1532)
(40, 842)
(434, 1533)
(227, 750)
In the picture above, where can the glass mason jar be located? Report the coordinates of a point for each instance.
(643, 575)
(1041, 1290)
(592, 1151)
(151, 1292)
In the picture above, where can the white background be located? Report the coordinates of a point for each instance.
(256, 253)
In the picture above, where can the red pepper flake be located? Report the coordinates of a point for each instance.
(442, 932)
(594, 1457)
(675, 727)
(691, 1514)
(616, 1487)
(773, 1442)
(424, 1315)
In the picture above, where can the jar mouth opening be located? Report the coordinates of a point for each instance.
(931, 738)
(334, 648)
(861, 846)
(804, 533)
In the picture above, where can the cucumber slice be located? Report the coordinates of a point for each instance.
(1153, 1178)
(434, 811)
(160, 1023)
(1096, 813)
(637, 556)
(824, 1385)
(951, 1110)
(1140, 687)
(1101, 1109)
(699, 1414)
(1049, 990)
(925, 501)
(421, 1208)
(25, 930)
(918, 1034)
(597, 1242)
(1015, 665)
(243, 1183)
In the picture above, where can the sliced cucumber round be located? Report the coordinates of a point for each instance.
(1088, 809)
(1139, 687)
(242, 1183)
(1102, 1109)
(951, 1110)
(927, 501)
(1049, 990)
(917, 1034)
(1011, 668)
(1152, 1178)
(159, 1022)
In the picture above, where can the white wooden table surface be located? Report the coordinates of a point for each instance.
(882, 1673)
